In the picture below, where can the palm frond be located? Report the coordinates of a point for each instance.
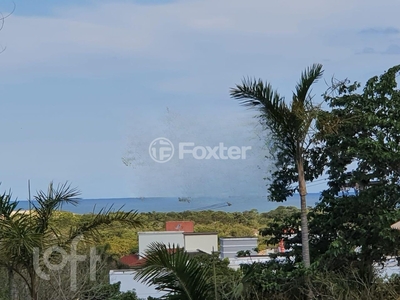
(274, 111)
(254, 92)
(105, 216)
(48, 202)
(308, 77)
(8, 207)
(304, 112)
(172, 270)
(19, 237)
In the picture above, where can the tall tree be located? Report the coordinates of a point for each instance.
(363, 154)
(290, 125)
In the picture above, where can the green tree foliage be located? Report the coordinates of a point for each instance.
(122, 239)
(350, 226)
(363, 155)
(224, 278)
(109, 292)
(286, 228)
(274, 280)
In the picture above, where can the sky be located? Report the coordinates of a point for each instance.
(86, 86)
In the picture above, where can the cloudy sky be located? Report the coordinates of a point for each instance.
(87, 85)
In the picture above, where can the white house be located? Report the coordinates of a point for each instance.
(190, 241)
(126, 278)
(231, 246)
(199, 241)
(164, 237)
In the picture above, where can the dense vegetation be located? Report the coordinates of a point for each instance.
(121, 239)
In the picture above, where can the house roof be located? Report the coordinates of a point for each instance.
(200, 233)
(187, 226)
(251, 238)
(396, 225)
(132, 260)
(159, 232)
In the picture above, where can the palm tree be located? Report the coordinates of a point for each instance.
(21, 234)
(290, 125)
(10, 219)
(174, 271)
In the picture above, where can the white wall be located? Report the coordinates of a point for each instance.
(231, 246)
(128, 284)
(235, 263)
(390, 267)
(203, 242)
(165, 237)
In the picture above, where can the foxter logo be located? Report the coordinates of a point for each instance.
(217, 152)
(162, 150)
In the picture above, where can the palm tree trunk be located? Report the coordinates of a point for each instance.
(12, 290)
(33, 289)
(303, 204)
(305, 247)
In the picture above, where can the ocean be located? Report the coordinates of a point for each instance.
(175, 204)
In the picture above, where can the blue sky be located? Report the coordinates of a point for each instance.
(85, 84)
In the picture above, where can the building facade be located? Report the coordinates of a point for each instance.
(165, 237)
(229, 247)
(128, 283)
(203, 242)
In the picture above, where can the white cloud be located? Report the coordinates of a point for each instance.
(172, 34)
(190, 45)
